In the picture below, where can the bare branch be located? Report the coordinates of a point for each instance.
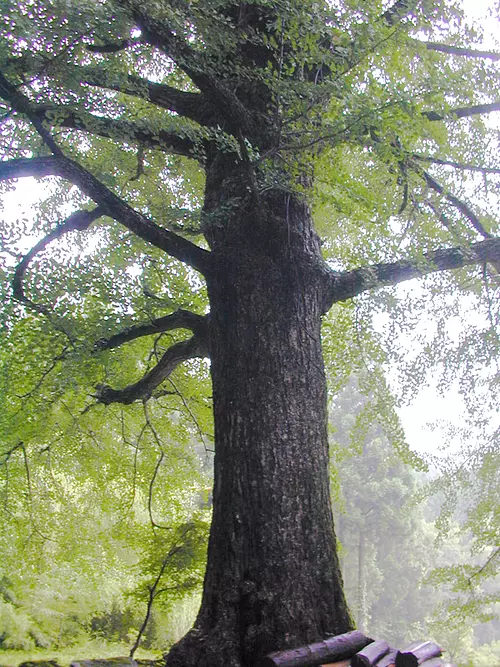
(111, 205)
(191, 414)
(181, 319)
(456, 165)
(491, 558)
(144, 388)
(346, 285)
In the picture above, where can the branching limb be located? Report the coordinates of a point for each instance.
(460, 205)
(353, 54)
(79, 221)
(153, 590)
(172, 140)
(191, 414)
(142, 390)
(22, 104)
(168, 141)
(189, 105)
(491, 559)
(460, 51)
(160, 34)
(110, 205)
(156, 437)
(5, 456)
(181, 319)
(346, 285)
(463, 112)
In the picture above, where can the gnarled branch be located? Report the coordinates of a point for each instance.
(346, 285)
(181, 319)
(78, 221)
(189, 105)
(142, 390)
(110, 205)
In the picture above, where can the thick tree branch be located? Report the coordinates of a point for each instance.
(174, 141)
(463, 112)
(181, 319)
(142, 390)
(110, 205)
(460, 51)
(159, 33)
(189, 105)
(78, 221)
(346, 285)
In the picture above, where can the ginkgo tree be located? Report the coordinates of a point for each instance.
(192, 147)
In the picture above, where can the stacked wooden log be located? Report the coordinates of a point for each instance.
(354, 649)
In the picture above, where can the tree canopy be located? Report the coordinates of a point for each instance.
(238, 171)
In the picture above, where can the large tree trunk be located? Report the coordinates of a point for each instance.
(273, 578)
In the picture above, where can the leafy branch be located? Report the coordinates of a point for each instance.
(180, 319)
(78, 221)
(109, 204)
(154, 591)
(142, 390)
(346, 285)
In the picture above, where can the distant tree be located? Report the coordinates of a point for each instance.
(195, 139)
(380, 518)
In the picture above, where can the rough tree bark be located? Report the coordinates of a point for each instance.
(273, 577)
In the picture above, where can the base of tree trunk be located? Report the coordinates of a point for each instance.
(217, 648)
